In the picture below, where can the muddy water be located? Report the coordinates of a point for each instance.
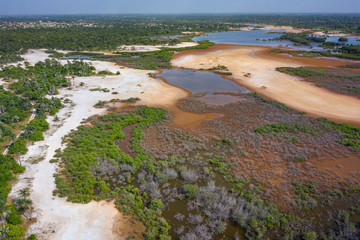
(200, 81)
(213, 88)
(187, 119)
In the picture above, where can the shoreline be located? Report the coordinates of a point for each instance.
(57, 218)
(300, 95)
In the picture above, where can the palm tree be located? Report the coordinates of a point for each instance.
(23, 204)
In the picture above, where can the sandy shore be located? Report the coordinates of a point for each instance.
(56, 218)
(264, 79)
(272, 28)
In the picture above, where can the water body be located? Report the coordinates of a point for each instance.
(200, 81)
(210, 87)
(261, 38)
(77, 57)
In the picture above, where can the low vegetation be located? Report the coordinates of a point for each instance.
(301, 38)
(348, 135)
(339, 80)
(89, 168)
(130, 100)
(346, 52)
(30, 87)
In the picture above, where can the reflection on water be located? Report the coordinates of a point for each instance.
(261, 38)
(206, 83)
(77, 57)
(200, 81)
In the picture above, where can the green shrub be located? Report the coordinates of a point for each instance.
(190, 190)
(13, 218)
(32, 237)
(18, 147)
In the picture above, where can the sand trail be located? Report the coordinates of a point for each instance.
(264, 79)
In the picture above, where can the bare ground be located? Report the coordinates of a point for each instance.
(259, 74)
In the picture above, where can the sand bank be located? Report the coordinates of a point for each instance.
(264, 79)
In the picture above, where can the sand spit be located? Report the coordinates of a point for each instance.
(262, 77)
(56, 218)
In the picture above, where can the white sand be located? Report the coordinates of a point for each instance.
(33, 56)
(56, 218)
(149, 48)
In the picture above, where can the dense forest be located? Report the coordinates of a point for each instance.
(109, 32)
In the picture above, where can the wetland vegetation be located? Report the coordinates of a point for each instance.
(340, 80)
(188, 184)
(251, 173)
(347, 52)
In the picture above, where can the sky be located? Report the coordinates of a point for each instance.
(48, 7)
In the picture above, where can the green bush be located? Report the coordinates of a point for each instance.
(15, 232)
(32, 237)
(18, 147)
(13, 218)
(190, 190)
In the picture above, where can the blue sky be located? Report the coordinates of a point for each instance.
(19, 7)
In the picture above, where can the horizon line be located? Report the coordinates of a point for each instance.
(169, 14)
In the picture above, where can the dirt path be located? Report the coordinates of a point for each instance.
(55, 218)
(264, 79)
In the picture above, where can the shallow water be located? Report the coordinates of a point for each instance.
(77, 57)
(211, 87)
(250, 38)
(200, 81)
(188, 119)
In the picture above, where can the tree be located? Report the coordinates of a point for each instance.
(23, 204)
